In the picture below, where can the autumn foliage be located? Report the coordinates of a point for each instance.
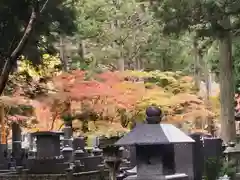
(113, 100)
(102, 88)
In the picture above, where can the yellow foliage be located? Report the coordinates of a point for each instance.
(46, 68)
(174, 93)
(215, 104)
(170, 81)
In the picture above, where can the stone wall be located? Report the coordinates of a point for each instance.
(92, 175)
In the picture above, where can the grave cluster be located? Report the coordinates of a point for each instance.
(151, 151)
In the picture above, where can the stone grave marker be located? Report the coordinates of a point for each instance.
(213, 148)
(67, 150)
(48, 159)
(95, 141)
(3, 157)
(198, 156)
(79, 148)
(48, 144)
(68, 139)
(79, 143)
(16, 143)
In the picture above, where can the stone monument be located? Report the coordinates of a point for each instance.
(48, 144)
(154, 143)
(48, 158)
(16, 143)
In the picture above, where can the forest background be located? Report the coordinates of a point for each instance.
(101, 63)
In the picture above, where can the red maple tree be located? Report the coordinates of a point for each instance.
(106, 87)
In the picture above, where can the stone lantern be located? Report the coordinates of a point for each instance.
(154, 143)
(232, 154)
(112, 159)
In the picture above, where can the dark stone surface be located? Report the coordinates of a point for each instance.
(198, 157)
(155, 160)
(16, 132)
(48, 144)
(155, 149)
(67, 153)
(105, 141)
(16, 143)
(148, 134)
(91, 163)
(3, 157)
(152, 111)
(79, 142)
(132, 158)
(47, 133)
(144, 134)
(213, 148)
(44, 166)
(184, 159)
(154, 115)
(93, 175)
(79, 153)
(67, 130)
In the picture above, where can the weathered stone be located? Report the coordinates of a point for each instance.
(48, 144)
(16, 143)
(94, 175)
(67, 153)
(154, 145)
(79, 142)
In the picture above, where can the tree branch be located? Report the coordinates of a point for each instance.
(44, 6)
(22, 43)
(11, 61)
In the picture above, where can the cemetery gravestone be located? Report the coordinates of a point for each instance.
(48, 139)
(16, 143)
(198, 156)
(68, 139)
(67, 153)
(3, 157)
(78, 147)
(67, 150)
(48, 159)
(79, 143)
(86, 158)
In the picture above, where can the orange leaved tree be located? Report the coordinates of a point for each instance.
(99, 97)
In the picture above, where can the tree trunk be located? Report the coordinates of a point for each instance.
(228, 128)
(164, 62)
(115, 24)
(205, 71)
(11, 61)
(62, 54)
(137, 64)
(196, 65)
(121, 64)
(82, 49)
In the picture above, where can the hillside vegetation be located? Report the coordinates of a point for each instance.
(107, 102)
